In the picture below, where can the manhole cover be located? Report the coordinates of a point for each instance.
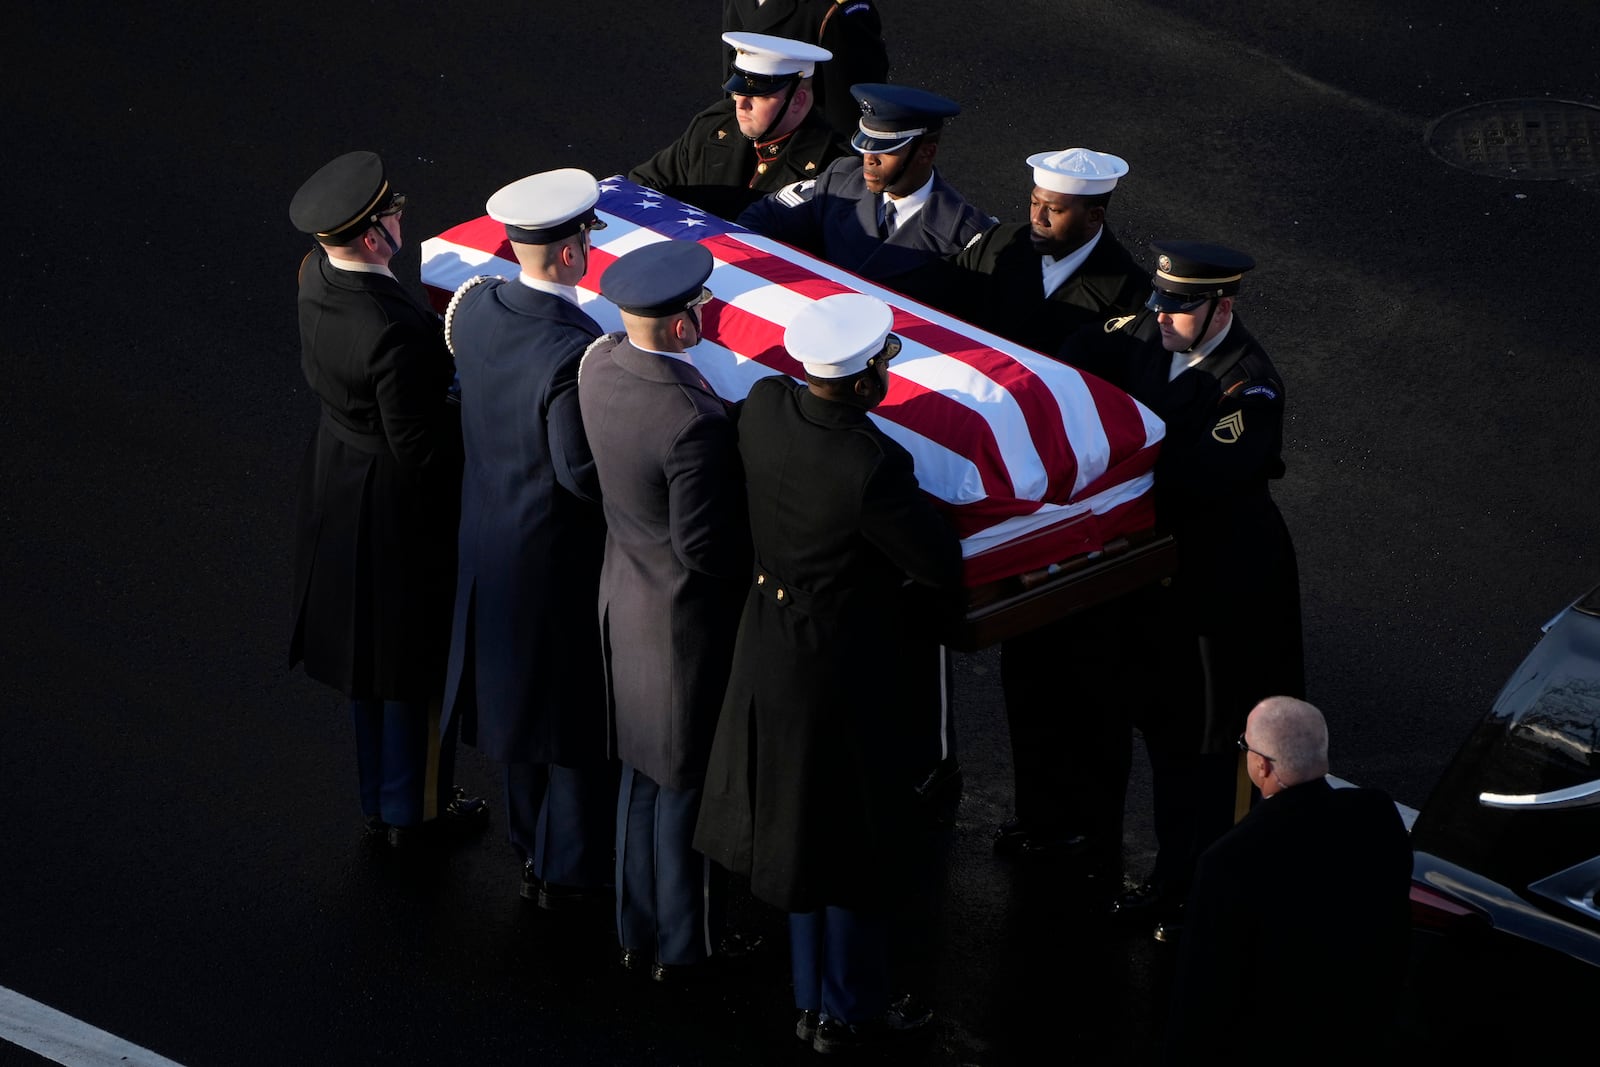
(1538, 140)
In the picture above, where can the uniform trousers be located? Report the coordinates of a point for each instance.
(404, 765)
(670, 898)
(840, 963)
(560, 819)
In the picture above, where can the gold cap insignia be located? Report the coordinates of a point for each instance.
(1229, 428)
(1164, 264)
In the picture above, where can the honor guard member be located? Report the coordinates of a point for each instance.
(810, 793)
(677, 558)
(1236, 595)
(889, 214)
(375, 548)
(524, 680)
(1037, 282)
(765, 135)
(850, 29)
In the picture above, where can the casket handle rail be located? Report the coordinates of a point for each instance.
(1027, 601)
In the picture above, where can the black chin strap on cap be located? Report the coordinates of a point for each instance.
(377, 222)
(1211, 312)
(788, 101)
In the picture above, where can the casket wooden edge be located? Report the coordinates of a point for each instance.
(1016, 605)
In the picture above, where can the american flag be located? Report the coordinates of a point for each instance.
(1033, 462)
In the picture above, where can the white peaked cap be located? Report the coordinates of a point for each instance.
(545, 200)
(835, 336)
(1078, 171)
(761, 53)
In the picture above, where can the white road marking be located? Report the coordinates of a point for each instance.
(59, 1037)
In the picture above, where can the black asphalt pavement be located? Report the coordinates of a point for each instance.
(181, 861)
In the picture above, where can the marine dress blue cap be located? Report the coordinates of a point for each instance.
(341, 199)
(547, 207)
(835, 337)
(660, 279)
(892, 116)
(763, 64)
(1189, 271)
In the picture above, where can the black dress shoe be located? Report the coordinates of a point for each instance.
(1150, 902)
(631, 960)
(403, 838)
(553, 897)
(462, 816)
(1016, 838)
(805, 1027)
(1169, 931)
(905, 1020)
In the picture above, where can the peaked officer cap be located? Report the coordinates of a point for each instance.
(660, 279)
(835, 337)
(547, 207)
(763, 64)
(892, 116)
(341, 199)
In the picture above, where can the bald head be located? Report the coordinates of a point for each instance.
(1295, 737)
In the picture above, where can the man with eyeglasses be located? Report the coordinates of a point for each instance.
(888, 216)
(1227, 633)
(677, 557)
(379, 492)
(1299, 919)
(812, 787)
(764, 135)
(525, 682)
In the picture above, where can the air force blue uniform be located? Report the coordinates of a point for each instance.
(525, 680)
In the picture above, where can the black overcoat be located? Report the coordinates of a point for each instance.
(811, 778)
(379, 489)
(850, 29)
(714, 166)
(1238, 584)
(836, 218)
(997, 283)
(1297, 930)
(525, 675)
(677, 554)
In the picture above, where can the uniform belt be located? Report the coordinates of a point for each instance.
(374, 444)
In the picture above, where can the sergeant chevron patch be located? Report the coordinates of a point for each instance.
(1229, 428)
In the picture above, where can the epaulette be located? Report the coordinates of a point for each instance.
(455, 300)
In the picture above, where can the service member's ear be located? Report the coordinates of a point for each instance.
(1097, 214)
(927, 150)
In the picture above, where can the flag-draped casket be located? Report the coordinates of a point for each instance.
(1035, 464)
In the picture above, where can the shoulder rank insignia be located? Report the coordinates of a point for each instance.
(1229, 428)
(721, 134)
(1261, 390)
(1113, 325)
(811, 165)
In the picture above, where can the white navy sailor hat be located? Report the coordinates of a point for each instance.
(841, 335)
(763, 64)
(1078, 171)
(892, 116)
(547, 207)
(344, 197)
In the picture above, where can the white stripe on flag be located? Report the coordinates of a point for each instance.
(59, 1037)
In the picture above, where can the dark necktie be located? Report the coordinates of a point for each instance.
(886, 227)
